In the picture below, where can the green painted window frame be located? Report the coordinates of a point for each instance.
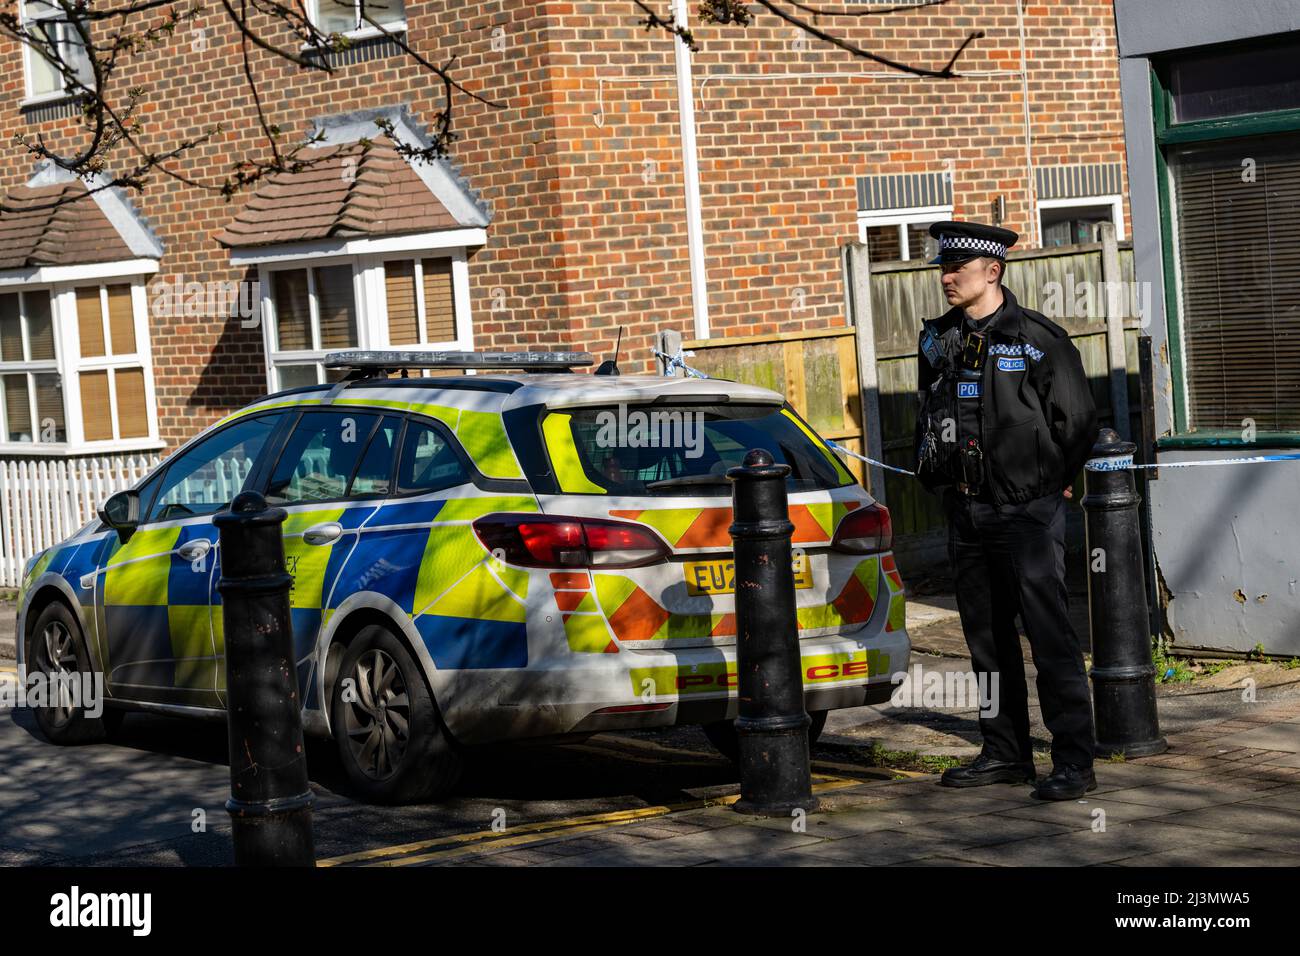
(1167, 133)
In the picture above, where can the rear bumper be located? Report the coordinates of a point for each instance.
(664, 687)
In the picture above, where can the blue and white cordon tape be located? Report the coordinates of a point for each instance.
(676, 361)
(1110, 463)
(1125, 462)
(870, 461)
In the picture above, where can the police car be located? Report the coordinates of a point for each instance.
(475, 558)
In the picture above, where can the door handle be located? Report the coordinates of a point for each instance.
(193, 550)
(323, 533)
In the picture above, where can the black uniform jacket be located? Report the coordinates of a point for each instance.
(1039, 420)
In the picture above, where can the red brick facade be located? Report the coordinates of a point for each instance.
(582, 167)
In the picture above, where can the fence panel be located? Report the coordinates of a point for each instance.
(817, 372)
(43, 502)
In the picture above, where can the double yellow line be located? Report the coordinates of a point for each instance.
(463, 845)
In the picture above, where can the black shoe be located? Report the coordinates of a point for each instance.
(1067, 782)
(984, 770)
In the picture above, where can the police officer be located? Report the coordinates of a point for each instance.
(1006, 421)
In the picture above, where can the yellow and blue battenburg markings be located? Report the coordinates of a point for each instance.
(156, 608)
(468, 608)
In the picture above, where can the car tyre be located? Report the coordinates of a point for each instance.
(722, 734)
(390, 735)
(57, 646)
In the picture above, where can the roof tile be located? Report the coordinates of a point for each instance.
(58, 224)
(350, 190)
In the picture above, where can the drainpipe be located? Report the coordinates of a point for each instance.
(1035, 238)
(691, 175)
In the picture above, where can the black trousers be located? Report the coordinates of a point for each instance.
(1009, 560)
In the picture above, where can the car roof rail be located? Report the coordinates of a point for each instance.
(369, 363)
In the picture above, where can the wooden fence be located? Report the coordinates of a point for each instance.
(44, 501)
(857, 384)
(816, 371)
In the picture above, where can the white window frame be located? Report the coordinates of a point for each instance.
(371, 305)
(1113, 200)
(30, 368)
(30, 95)
(60, 284)
(360, 32)
(902, 218)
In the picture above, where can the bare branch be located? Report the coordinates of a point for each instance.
(946, 72)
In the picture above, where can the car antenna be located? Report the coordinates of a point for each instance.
(610, 366)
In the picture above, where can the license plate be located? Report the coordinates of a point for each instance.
(719, 577)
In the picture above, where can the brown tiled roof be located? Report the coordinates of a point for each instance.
(56, 225)
(349, 190)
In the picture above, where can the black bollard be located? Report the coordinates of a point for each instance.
(1123, 676)
(270, 801)
(775, 777)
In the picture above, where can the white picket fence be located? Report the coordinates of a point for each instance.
(44, 501)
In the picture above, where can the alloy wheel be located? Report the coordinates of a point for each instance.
(377, 719)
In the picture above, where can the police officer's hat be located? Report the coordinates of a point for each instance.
(959, 241)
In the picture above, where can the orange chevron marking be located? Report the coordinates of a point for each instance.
(570, 579)
(569, 600)
(854, 603)
(638, 618)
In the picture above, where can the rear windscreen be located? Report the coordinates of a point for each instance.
(686, 449)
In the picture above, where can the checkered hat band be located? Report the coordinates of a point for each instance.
(983, 247)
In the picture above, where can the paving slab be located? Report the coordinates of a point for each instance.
(882, 848)
(1285, 797)
(1079, 814)
(1285, 737)
(1187, 794)
(1275, 822)
(1081, 847)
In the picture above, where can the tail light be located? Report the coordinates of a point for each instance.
(865, 531)
(551, 541)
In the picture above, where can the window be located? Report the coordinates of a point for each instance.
(428, 462)
(75, 368)
(206, 478)
(1067, 222)
(1218, 83)
(353, 16)
(31, 389)
(315, 313)
(416, 302)
(900, 234)
(111, 375)
(375, 473)
(1238, 284)
(322, 453)
(421, 301)
(691, 447)
(48, 25)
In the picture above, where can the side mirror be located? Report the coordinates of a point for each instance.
(121, 512)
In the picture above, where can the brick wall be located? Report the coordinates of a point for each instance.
(785, 124)
(582, 166)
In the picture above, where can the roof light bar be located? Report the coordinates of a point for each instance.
(375, 362)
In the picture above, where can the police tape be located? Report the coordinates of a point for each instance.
(1126, 463)
(1109, 463)
(870, 461)
(676, 361)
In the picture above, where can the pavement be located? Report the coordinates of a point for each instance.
(1226, 793)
